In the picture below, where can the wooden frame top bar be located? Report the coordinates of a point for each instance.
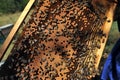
(15, 28)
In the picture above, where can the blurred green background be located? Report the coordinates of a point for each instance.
(114, 35)
(11, 6)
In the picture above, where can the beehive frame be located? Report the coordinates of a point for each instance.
(105, 27)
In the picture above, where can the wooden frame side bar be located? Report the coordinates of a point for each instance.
(15, 28)
(106, 29)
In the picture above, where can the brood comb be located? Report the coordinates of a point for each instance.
(59, 42)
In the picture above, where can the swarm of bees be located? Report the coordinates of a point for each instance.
(59, 42)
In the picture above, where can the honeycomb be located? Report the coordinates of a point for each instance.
(59, 42)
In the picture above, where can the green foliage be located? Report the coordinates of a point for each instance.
(6, 5)
(20, 4)
(11, 6)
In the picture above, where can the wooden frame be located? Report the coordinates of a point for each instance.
(15, 29)
(106, 29)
